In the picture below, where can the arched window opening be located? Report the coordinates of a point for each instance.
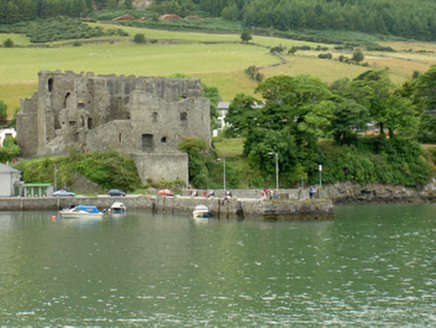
(65, 99)
(50, 85)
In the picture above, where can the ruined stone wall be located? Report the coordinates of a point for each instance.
(131, 114)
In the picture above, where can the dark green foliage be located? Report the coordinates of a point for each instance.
(212, 93)
(358, 56)
(300, 110)
(325, 56)
(9, 150)
(377, 47)
(401, 162)
(246, 36)
(61, 28)
(139, 38)
(278, 49)
(128, 4)
(109, 169)
(3, 109)
(253, 73)
(8, 43)
(200, 162)
(231, 12)
(12, 123)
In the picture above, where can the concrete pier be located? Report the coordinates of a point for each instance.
(239, 208)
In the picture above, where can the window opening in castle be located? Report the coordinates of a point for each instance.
(50, 85)
(147, 142)
(183, 116)
(89, 123)
(65, 100)
(163, 140)
(154, 116)
(119, 138)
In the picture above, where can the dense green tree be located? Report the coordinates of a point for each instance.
(139, 38)
(231, 12)
(9, 150)
(358, 56)
(349, 117)
(242, 115)
(3, 109)
(296, 111)
(8, 43)
(128, 4)
(13, 12)
(246, 36)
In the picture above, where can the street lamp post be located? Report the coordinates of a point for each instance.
(277, 169)
(320, 175)
(224, 172)
(55, 177)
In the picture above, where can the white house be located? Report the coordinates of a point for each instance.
(6, 132)
(9, 177)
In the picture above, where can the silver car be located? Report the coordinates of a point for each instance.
(64, 193)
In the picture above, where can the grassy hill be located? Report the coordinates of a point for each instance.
(218, 59)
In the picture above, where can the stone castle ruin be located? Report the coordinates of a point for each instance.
(142, 117)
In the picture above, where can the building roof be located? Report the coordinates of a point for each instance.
(6, 169)
(37, 185)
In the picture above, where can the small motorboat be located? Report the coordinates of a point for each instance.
(118, 207)
(81, 212)
(201, 212)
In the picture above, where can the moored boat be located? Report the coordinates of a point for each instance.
(201, 212)
(118, 207)
(81, 212)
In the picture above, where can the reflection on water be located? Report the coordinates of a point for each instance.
(372, 265)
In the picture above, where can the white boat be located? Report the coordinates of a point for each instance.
(118, 207)
(201, 212)
(81, 212)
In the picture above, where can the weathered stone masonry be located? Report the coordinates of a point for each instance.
(143, 117)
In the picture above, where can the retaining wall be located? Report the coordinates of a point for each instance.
(220, 208)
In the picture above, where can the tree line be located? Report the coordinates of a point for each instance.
(364, 130)
(14, 11)
(404, 18)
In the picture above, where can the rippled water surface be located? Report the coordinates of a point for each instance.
(372, 265)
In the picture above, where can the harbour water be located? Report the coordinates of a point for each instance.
(371, 265)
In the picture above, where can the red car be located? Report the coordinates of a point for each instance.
(165, 192)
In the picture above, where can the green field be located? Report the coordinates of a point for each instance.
(218, 64)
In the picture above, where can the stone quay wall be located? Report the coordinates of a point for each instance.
(230, 209)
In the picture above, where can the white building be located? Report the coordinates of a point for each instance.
(9, 178)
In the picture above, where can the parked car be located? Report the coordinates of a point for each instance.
(165, 192)
(64, 193)
(116, 192)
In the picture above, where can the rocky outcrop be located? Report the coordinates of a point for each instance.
(352, 193)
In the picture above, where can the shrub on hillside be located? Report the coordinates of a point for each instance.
(253, 73)
(325, 56)
(60, 29)
(109, 169)
(8, 43)
(139, 38)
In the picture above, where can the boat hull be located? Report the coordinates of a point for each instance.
(69, 215)
(202, 214)
(81, 212)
